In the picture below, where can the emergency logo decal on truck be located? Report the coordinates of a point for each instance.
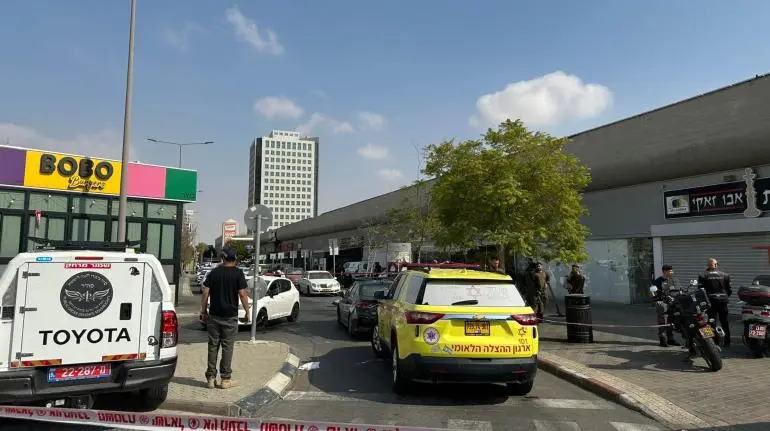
(86, 295)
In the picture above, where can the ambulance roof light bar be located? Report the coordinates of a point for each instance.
(66, 245)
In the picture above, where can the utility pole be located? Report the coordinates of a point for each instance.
(180, 145)
(127, 129)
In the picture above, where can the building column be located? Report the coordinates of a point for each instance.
(657, 255)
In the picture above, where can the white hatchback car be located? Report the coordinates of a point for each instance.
(277, 299)
(318, 282)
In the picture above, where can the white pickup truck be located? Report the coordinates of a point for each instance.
(75, 324)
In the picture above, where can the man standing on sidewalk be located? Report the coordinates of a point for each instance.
(717, 286)
(665, 284)
(575, 282)
(225, 285)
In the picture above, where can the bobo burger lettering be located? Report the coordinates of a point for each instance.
(84, 175)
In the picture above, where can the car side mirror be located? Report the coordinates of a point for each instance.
(379, 295)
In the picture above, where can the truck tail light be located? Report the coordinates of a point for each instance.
(169, 329)
(421, 317)
(525, 319)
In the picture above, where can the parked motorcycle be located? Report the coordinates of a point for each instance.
(755, 313)
(701, 334)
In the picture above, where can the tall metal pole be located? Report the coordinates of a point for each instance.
(127, 130)
(180, 157)
(257, 238)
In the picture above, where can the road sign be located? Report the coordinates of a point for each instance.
(258, 215)
(334, 247)
(293, 254)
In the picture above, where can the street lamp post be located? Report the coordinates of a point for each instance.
(127, 129)
(180, 145)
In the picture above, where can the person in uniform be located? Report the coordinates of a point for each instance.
(717, 285)
(537, 289)
(666, 284)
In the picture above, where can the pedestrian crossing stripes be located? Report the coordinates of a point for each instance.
(546, 403)
(515, 424)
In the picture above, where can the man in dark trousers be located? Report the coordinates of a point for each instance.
(225, 285)
(575, 282)
(666, 283)
(717, 286)
(537, 289)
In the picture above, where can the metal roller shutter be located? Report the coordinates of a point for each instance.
(736, 255)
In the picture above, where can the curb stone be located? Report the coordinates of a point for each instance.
(273, 390)
(664, 411)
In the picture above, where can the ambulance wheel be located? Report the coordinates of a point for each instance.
(521, 389)
(155, 396)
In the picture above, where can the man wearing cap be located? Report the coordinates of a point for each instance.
(225, 285)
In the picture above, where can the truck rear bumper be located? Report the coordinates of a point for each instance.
(29, 385)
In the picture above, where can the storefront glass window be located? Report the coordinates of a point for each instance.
(48, 203)
(135, 209)
(88, 230)
(48, 228)
(153, 239)
(133, 231)
(11, 200)
(86, 205)
(10, 235)
(167, 242)
(161, 211)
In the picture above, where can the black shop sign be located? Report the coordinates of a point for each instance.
(750, 197)
(81, 175)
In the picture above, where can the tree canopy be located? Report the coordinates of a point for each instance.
(513, 187)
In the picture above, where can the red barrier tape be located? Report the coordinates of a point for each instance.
(599, 325)
(150, 421)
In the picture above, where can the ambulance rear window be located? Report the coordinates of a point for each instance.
(472, 293)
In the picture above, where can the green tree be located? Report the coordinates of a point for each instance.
(188, 248)
(239, 248)
(414, 220)
(513, 187)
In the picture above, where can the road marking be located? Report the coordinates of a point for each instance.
(461, 424)
(431, 400)
(625, 426)
(555, 425)
(307, 366)
(572, 404)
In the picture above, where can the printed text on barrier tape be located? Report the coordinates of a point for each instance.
(152, 422)
(600, 325)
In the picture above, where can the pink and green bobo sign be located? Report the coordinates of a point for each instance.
(21, 167)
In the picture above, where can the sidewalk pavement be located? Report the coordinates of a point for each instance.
(262, 372)
(638, 373)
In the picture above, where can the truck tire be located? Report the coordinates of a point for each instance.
(153, 397)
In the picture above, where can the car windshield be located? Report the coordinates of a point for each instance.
(366, 291)
(319, 275)
(478, 293)
(261, 288)
(295, 272)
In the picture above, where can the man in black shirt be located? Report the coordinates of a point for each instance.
(225, 285)
(666, 283)
(717, 285)
(575, 282)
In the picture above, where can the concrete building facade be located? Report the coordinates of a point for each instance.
(283, 175)
(674, 185)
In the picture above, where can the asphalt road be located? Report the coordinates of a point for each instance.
(341, 381)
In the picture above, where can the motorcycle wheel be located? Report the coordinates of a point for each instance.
(711, 354)
(756, 347)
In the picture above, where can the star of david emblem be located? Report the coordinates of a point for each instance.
(522, 331)
(474, 292)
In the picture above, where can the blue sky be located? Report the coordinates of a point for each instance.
(380, 77)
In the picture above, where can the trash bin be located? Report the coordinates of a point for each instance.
(579, 311)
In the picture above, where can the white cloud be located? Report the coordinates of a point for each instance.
(278, 107)
(373, 152)
(106, 143)
(545, 101)
(247, 31)
(320, 120)
(389, 174)
(180, 39)
(371, 121)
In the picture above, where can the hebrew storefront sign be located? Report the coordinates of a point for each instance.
(47, 170)
(750, 197)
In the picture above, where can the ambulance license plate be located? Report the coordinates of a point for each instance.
(79, 372)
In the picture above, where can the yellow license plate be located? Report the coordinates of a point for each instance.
(476, 328)
(707, 332)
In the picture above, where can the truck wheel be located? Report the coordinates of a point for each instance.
(155, 396)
